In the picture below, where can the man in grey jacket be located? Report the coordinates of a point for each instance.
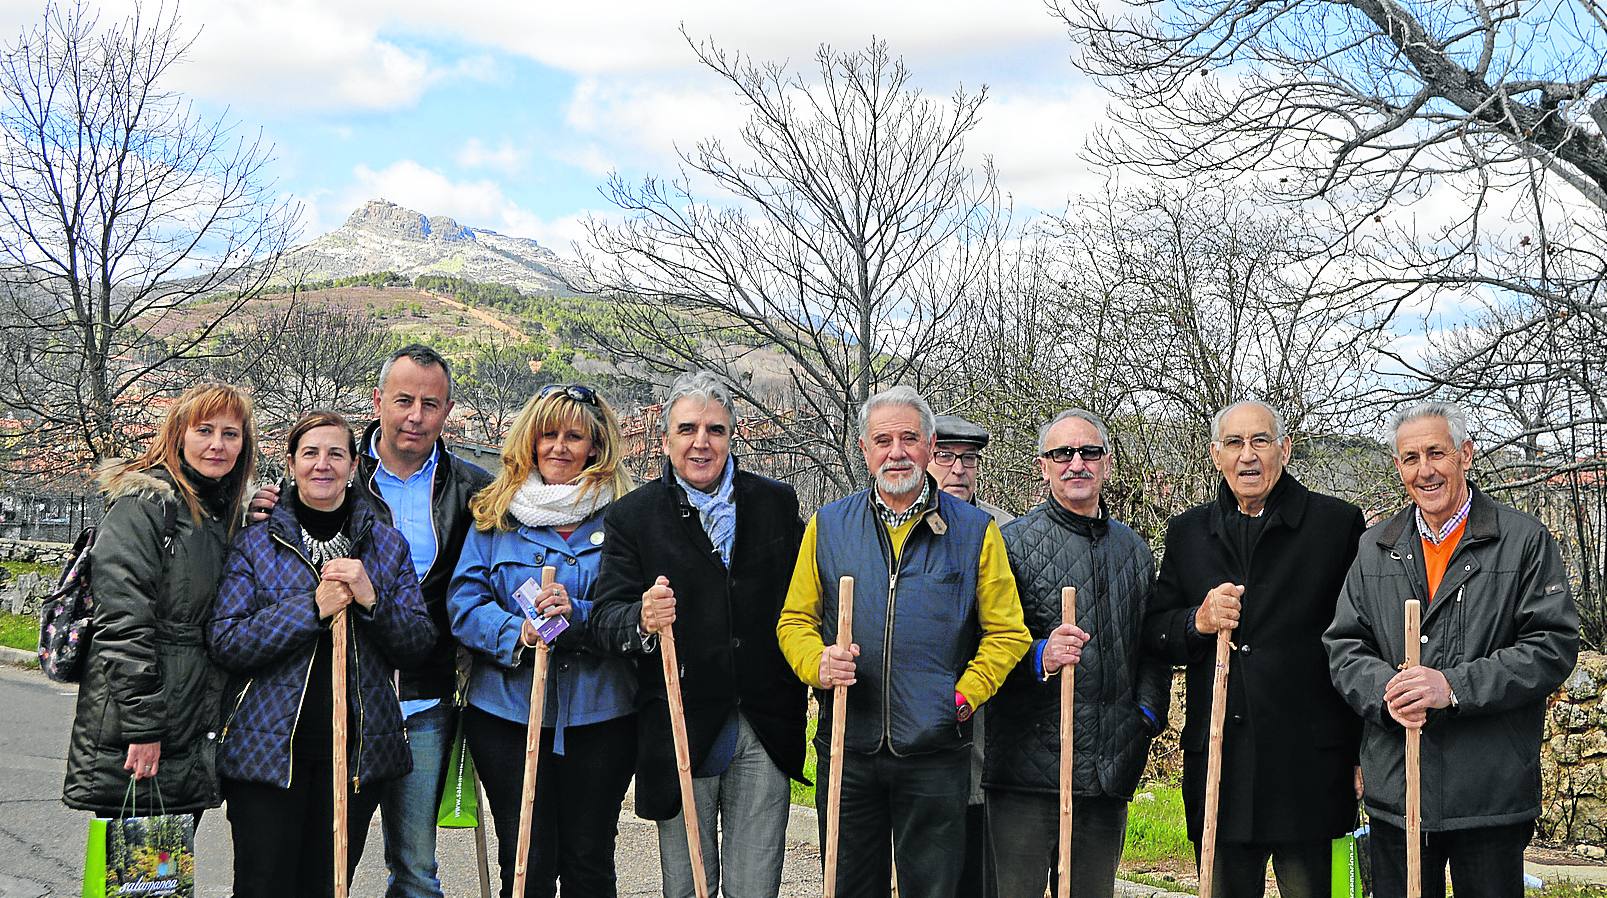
(1499, 635)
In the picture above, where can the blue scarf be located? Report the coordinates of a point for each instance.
(716, 511)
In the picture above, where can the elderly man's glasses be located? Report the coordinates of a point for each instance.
(946, 458)
(577, 392)
(1062, 454)
(1261, 442)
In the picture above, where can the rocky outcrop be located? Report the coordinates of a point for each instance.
(1573, 758)
(382, 236)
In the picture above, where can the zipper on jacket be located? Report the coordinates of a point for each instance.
(238, 701)
(357, 665)
(885, 542)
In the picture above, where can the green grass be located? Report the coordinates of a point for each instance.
(1156, 829)
(19, 631)
(801, 794)
(49, 571)
(1567, 888)
(1156, 881)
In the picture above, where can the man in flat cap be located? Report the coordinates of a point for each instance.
(955, 460)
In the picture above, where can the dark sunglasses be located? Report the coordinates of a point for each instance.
(1062, 454)
(577, 392)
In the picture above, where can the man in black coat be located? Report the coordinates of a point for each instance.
(1265, 562)
(709, 548)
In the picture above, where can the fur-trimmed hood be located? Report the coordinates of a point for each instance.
(117, 480)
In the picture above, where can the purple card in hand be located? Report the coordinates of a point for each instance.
(547, 628)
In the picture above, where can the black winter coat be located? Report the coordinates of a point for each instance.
(1290, 744)
(456, 482)
(1504, 631)
(725, 624)
(147, 677)
(1114, 572)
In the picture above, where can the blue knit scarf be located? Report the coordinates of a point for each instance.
(717, 511)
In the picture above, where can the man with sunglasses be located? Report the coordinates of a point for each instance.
(936, 629)
(414, 483)
(1123, 691)
(954, 465)
(1263, 561)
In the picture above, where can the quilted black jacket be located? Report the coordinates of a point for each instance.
(1113, 571)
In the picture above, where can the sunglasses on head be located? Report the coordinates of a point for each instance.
(1062, 454)
(577, 392)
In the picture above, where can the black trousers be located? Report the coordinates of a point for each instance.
(1303, 869)
(1485, 863)
(282, 837)
(1024, 841)
(919, 802)
(578, 797)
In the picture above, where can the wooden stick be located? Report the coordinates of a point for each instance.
(1414, 768)
(1213, 765)
(839, 724)
(683, 757)
(538, 708)
(337, 684)
(480, 853)
(1068, 697)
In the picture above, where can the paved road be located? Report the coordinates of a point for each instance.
(42, 841)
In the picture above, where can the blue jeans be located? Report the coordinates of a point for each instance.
(407, 812)
(747, 806)
(915, 804)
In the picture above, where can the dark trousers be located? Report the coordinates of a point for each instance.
(1024, 841)
(976, 876)
(282, 839)
(578, 796)
(1485, 863)
(1303, 869)
(918, 801)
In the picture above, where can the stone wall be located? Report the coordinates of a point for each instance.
(21, 594)
(1573, 760)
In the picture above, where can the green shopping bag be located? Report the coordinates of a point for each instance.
(1347, 867)
(144, 856)
(460, 799)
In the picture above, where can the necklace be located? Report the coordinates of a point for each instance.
(320, 552)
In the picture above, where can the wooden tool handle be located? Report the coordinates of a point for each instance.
(683, 757)
(839, 723)
(1068, 698)
(1213, 766)
(538, 710)
(338, 629)
(1414, 763)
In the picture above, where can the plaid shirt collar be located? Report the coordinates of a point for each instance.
(896, 519)
(1456, 520)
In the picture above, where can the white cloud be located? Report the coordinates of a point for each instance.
(1036, 137)
(504, 157)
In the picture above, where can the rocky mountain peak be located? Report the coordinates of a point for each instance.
(382, 216)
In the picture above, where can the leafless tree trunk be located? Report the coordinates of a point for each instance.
(130, 226)
(498, 379)
(846, 232)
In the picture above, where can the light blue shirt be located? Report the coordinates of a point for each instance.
(410, 501)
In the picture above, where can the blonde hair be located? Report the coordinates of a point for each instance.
(540, 414)
(166, 450)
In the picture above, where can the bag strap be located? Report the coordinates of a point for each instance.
(170, 524)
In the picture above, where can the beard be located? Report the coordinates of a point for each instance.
(899, 483)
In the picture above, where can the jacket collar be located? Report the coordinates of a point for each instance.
(1286, 504)
(1482, 522)
(367, 464)
(548, 538)
(1082, 525)
(282, 521)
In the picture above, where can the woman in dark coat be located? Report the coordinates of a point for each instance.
(149, 701)
(320, 554)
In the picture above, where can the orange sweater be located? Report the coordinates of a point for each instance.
(1437, 558)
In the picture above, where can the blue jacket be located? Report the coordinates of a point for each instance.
(583, 686)
(916, 634)
(265, 628)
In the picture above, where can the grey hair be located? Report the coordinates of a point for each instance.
(422, 356)
(899, 395)
(1278, 431)
(1081, 414)
(1449, 412)
(699, 385)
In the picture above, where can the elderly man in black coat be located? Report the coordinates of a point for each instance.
(709, 548)
(1264, 561)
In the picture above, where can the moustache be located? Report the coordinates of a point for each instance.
(1077, 475)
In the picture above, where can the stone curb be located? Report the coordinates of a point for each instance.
(19, 657)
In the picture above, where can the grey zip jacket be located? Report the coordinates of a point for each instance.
(1503, 630)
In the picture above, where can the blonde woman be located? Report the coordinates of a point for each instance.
(560, 469)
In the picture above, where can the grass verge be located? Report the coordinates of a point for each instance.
(19, 631)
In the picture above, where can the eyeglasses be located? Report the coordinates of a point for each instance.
(577, 392)
(946, 458)
(1062, 454)
(1261, 442)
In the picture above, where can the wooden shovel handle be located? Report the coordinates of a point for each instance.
(839, 723)
(538, 710)
(1414, 765)
(1068, 698)
(1213, 765)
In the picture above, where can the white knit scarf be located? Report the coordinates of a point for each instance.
(542, 504)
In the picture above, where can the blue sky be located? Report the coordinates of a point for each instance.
(508, 115)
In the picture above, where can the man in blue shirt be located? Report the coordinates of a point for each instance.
(415, 484)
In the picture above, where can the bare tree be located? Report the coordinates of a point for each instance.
(848, 229)
(130, 226)
(498, 377)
